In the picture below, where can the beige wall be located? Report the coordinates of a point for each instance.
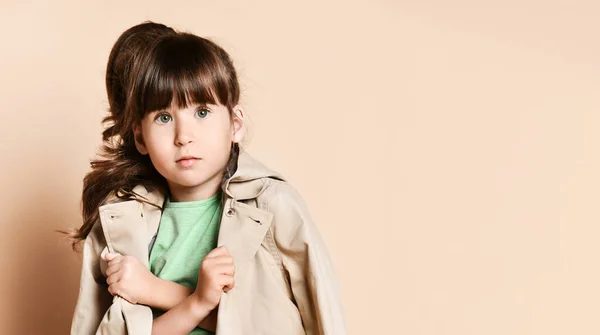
(453, 149)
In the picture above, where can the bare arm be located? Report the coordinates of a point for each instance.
(181, 319)
(166, 295)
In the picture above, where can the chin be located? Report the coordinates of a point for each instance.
(190, 181)
(191, 178)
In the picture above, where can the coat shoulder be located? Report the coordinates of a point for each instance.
(288, 207)
(280, 194)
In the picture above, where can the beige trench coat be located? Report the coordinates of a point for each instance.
(285, 282)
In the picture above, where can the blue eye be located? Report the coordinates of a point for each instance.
(202, 112)
(163, 118)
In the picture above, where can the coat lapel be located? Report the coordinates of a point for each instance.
(129, 226)
(243, 228)
(122, 223)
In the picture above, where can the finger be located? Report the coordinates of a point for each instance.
(127, 297)
(225, 259)
(227, 283)
(112, 279)
(113, 290)
(110, 256)
(224, 269)
(219, 260)
(220, 251)
(214, 267)
(112, 269)
(115, 260)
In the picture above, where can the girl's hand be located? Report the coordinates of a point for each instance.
(214, 277)
(129, 279)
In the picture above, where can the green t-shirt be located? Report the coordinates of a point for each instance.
(187, 232)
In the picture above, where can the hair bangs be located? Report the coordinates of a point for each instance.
(183, 70)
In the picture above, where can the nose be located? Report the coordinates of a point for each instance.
(184, 134)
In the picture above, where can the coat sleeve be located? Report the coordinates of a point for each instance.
(305, 258)
(93, 299)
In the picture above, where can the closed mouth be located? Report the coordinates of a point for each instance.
(186, 158)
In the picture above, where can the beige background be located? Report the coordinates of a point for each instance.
(447, 149)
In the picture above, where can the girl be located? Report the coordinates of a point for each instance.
(185, 233)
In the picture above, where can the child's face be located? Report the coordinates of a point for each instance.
(203, 132)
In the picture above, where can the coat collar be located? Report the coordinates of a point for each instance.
(246, 182)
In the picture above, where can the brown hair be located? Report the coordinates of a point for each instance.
(150, 67)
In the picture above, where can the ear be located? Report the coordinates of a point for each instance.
(139, 139)
(238, 125)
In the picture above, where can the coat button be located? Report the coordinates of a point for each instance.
(230, 212)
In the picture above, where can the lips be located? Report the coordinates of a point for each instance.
(187, 162)
(187, 158)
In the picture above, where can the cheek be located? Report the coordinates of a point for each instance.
(218, 146)
(217, 143)
(218, 134)
(157, 143)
